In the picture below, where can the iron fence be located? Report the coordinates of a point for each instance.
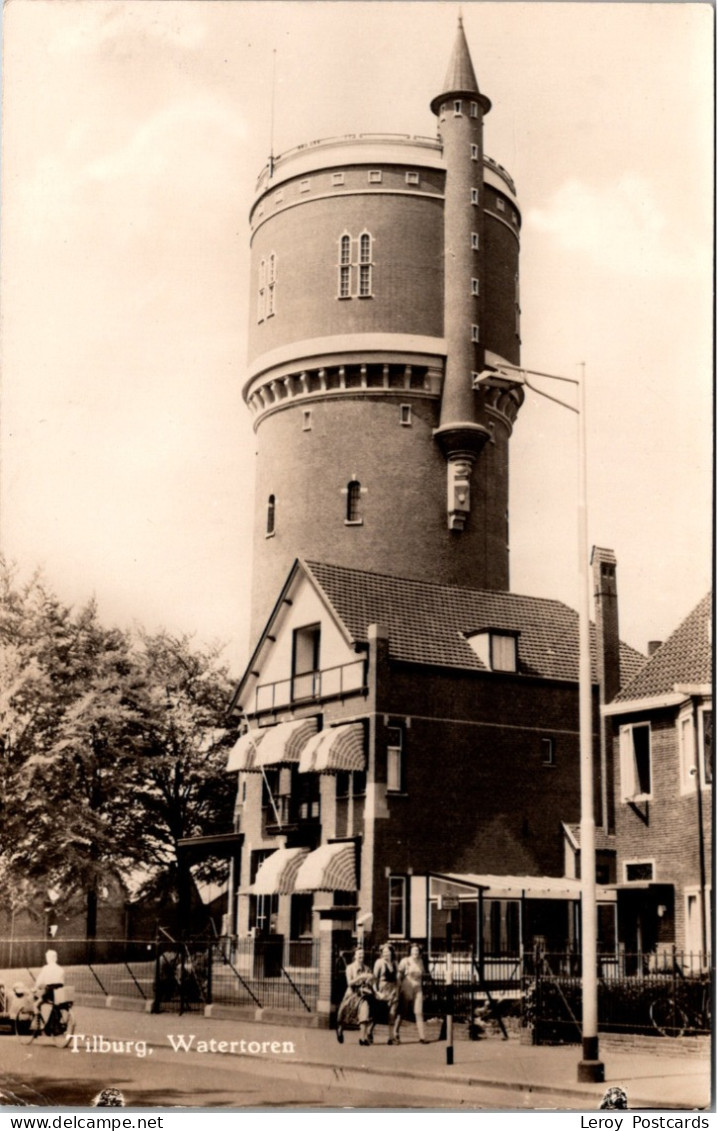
(271, 973)
(667, 994)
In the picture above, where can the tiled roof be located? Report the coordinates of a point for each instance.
(685, 657)
(427, 623)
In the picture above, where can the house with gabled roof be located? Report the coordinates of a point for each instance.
(662, 723)
(406, 741)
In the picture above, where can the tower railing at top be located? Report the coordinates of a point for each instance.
(401, 139)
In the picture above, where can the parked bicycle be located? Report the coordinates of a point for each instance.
(674, 1015)
(58, 1024)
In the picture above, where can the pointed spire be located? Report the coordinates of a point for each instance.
(460, 76)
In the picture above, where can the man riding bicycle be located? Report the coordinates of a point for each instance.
(50, 978)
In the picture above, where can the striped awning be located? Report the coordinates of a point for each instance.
(242, 756)
(329, 868)
(334, 750)
(283, 743)
(278, 872)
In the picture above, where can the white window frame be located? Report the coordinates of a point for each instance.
(500, 204)
(306, 420)
(337, 179)
(374, 176)
(474, 286)
(399, 881)
(474, 152)
(693, 891)
(475, 241)
(474, 196)
(405, 415)
(395, 762)
(411, 178)
(458, 108)
(474, 109)
(685, 726)
(642, 860)
(629, 775)
(498, 642)
(474, 331)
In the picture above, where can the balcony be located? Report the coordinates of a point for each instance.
(328, 683)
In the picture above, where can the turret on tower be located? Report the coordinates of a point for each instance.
(384, 270)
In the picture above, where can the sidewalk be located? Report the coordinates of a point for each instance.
(657, 1074)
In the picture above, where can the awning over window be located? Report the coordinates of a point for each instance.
(329, 868)
(283, 743)
(334, 750)
(242, 756)
(278, 872)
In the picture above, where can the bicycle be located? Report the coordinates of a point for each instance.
(673, 1018)
(59, 1024)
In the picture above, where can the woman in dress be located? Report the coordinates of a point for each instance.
(411, 991)
(356, 1005)
(386, 981)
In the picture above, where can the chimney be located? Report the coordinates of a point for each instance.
(605, 593)
(608, 666)
(653, 646)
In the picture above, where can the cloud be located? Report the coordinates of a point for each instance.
(85, 27)
(620, 226)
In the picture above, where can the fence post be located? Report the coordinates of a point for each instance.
(156, 996)
(210, 961)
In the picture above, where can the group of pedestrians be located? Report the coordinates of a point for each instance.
(394, 988)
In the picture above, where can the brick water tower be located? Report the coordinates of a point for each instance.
(384, 274)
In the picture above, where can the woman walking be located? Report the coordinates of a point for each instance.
(357, 1004)
(386, 980)
(411, 991)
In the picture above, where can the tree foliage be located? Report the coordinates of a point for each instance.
(111, 746)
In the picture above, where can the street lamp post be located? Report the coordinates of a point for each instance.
(590, 1067)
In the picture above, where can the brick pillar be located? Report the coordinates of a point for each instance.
(335, 926)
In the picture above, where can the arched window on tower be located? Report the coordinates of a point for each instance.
(345, 266)
(365, 265)
(271, 285)
(354, 501)
(261, 290)
(271, 515)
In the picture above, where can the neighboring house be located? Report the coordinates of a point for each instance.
(409, 741)
(663, 756)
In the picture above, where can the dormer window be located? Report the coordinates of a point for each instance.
(496, 648)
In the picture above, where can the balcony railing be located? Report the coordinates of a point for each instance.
(327, 683)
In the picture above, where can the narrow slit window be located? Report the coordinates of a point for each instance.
(457, 108)
(405, 414)
(271, 515)
(474, 196)
(474, 286)
(475, 332)
(354, 501)
(500, 204)
(474, 153)
(474, 241)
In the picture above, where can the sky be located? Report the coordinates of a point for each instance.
(132, 137)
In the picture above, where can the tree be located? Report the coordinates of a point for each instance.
(112, 748)
(181, 775)
(68, 827)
